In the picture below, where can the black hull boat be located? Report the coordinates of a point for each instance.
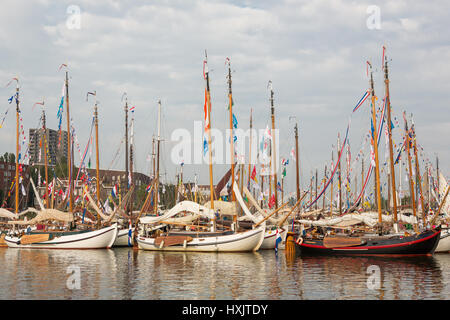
(421, 244)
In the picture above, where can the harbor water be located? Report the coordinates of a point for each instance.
(124, 273)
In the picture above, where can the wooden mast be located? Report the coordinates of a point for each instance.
(47, 201)
(155, 203)
(69, 147)
(16, 206)
(208, 128)
(250, 150)
(97, 162)
(339, 174)
(418, 176)
(130, 178)
(230, 98)
(391, 152)
(324, 181)
(331, 187)
(126, 145)
(274, 155)
(296, 163)
(411, 182)
(375, 147)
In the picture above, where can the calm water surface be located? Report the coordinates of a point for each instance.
(126, 274)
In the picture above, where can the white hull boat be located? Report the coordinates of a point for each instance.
(270, 237)
(203, 242)
(122, 238)
(96, 239)
(444, 241)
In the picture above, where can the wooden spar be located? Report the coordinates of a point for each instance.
(208, 128)
(440, 207)
(47, 200)
(69, 147)
(362, 180)
(153, 158)
(339, 174)
(130, 178)
(135, 233)
(250, 150)
(375, 146)
(296, 162)
(97, 163)
(418, 176)
(271, 214)
(230, 98)
(331, 187)
(262, 184)
(437, 176)
(391, 152)
(196, 188)
(156, 201)
(16, 206)
(126, 146)
(411, 182)
(292, 210)
(323, 182)
(315, 195)
(274, 154)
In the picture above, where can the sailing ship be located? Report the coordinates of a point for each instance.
(372, 240)
(162, 235)
(55, 236)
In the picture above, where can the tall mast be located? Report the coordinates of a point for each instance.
(339, 174)
(323, 181)
(250, 150)
(316, 189)
(411, 183)
(16, 207)
(331, 187)
(296, 163)
(230, 98)
(130, 178)
(158, 141)
(375, 147)
(362, 180)
(274, 155)
(47, 200)
(437, 179)
(391, 152)
(126, 144)
(69, 147)
(208, 128)
(418, 176)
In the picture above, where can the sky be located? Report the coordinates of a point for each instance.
(314, 52)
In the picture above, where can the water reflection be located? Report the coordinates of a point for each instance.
(134, 274)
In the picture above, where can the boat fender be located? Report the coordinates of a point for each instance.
(299, 241)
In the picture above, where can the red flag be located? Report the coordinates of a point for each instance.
(272, 201)
(205, 109)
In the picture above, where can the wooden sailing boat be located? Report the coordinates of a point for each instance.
(159, 234)
(424, 242)
(59, 238)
